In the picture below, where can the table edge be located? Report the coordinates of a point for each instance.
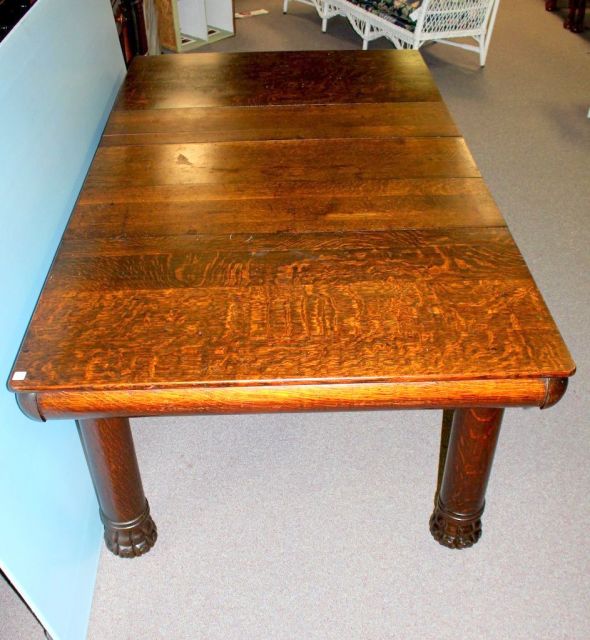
(55, 405)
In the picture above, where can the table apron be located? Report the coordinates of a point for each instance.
(539, 392)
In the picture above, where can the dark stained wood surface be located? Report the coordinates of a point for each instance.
(309, 221)
(276, 78)
(221, 124)
(285, 160)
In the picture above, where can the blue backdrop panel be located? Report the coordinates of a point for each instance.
(60, 69)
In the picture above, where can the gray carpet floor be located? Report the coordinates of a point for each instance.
(316, 526)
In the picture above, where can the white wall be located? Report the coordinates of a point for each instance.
(60, 69)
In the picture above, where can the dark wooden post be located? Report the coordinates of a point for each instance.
(138, 19)
(129, 530)
(456, 521)
(575, 16)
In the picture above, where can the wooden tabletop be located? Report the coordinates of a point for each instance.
(310, 220)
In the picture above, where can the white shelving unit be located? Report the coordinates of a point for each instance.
(187, 24)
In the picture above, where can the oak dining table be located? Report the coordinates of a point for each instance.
(281, 232)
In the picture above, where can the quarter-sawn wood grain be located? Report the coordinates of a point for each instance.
(293, 224)
(285, 232)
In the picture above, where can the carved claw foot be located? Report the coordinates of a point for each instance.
(454, 531)
(130, 539)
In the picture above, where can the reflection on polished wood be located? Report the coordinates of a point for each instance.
(287, 232)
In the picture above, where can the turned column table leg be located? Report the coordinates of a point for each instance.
(456, 521)
(129, 530)
(575, 16)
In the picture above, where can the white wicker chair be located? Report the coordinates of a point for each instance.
(325, 9)
(436, 20)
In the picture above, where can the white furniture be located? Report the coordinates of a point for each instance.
(435, 20)
(151, 27)
(187, 24)
(324, 8)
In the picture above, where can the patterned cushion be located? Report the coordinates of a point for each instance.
(397, 11)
